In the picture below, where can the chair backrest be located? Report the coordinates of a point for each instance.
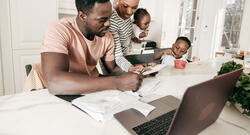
(141, 58)
(34, 80)
(28, 69)
(160, 49)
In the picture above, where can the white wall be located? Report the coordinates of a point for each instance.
(155, 8)
(170, 22)
(244, 40)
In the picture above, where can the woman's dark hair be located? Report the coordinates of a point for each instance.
(139, 13)
(184, 39)
(86, 5)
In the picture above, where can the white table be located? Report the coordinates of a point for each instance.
(40, 113)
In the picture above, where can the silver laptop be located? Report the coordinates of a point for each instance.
(199, 108)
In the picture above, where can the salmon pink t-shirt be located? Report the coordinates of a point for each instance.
(65, 37)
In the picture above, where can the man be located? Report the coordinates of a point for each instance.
(72, 48)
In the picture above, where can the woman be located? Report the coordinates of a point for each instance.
(121, 29)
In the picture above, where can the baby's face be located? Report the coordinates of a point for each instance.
(180, 48)
(144, 22)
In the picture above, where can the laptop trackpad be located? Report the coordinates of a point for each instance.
(162, 106)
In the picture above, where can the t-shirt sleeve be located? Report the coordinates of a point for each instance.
(55, 39)
(109, 55)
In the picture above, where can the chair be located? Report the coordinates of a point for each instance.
(159, 49)
(219, 53)
(34, 80)
(141, 58)
(144, 58)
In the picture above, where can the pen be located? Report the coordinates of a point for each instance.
(143, 69)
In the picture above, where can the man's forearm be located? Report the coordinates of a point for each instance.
(75, 83)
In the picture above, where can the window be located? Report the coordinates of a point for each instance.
(232, 25)
(187, 20)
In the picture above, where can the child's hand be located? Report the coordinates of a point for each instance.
(136, 40)
(168, 52)
(146, 32)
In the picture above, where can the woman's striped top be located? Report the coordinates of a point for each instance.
(122, 32)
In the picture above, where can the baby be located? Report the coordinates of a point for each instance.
(140, 25)
(179, 48)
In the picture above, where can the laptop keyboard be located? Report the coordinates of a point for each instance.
(157, 126)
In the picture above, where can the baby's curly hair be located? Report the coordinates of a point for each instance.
(139, 13)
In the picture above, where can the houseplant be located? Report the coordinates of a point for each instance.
(241, 93)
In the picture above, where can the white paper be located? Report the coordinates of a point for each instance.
(104, 104)
(154, 69)
(148, 86)
(131, 102)
(168, 60)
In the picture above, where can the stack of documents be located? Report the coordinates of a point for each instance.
(104, 104)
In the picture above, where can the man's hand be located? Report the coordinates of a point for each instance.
(128, 81)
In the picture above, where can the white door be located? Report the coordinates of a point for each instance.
(199, 20)
(1, 76)
(180, 19)
(210, 27)
(28, 20)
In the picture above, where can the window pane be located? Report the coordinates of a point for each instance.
(189, 5)
(232, 25)
(180, 16)
(179, 32)
(187, 20)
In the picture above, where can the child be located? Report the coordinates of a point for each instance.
(179, 48)
(140, 25)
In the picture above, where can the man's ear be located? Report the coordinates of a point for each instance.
(82, 15)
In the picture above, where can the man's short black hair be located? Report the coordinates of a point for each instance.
(140, 12)
(184, 39)
(86, 5)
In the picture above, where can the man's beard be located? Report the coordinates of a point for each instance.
(102, 33)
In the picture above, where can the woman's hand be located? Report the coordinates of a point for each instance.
(136, 69)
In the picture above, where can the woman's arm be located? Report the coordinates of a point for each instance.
(120, 60)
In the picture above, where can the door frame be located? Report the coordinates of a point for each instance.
(6, 48)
